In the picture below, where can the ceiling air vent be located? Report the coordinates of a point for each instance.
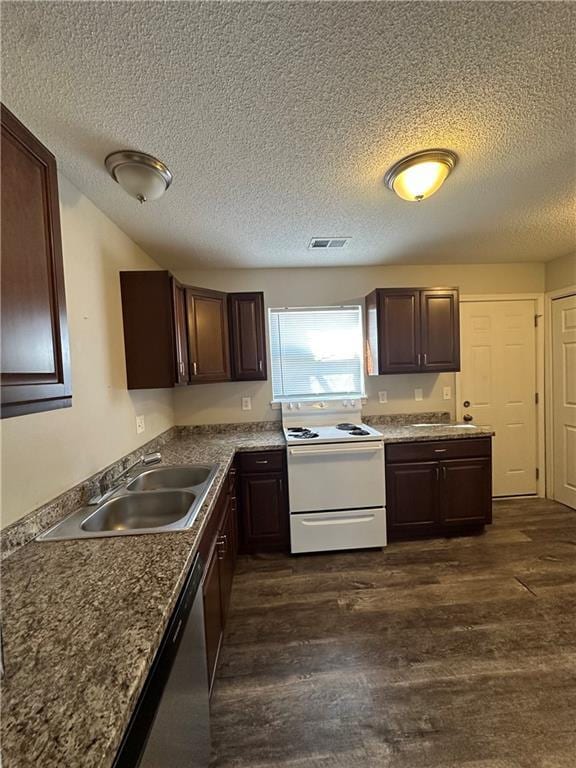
(329, 242)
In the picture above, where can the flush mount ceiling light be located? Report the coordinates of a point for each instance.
(419, 175)
(142, 176)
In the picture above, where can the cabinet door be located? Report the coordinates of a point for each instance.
(412, 499)
(208, 335)
(466, 492)
(180, 333)
(213, 626)
(440, 330)
(247, 336)
(227, 559)
(35, 354)
(399, 331)
(264, 510)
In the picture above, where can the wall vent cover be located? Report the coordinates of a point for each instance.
(329, 242)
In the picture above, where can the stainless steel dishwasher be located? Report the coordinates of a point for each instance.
(170, 727)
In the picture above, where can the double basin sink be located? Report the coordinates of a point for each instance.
(163, 499)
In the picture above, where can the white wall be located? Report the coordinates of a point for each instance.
(44, 454)
(561, 273)
(220, 403)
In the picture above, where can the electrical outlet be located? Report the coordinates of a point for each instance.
(447, 393)
(140, 425)
(246, 403)
(418, 394)
(383, 396)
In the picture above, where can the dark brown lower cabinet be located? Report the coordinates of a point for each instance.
(213, 622)
(438, 487)
(264, 516)
(219, 548)
(466, 492)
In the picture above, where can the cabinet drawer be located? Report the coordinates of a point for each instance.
(261, 461)
(437, 450)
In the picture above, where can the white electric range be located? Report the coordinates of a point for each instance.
(335, 477)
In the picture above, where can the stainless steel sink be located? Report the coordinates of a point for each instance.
(158, 500)
(141, 510)
(169, 477)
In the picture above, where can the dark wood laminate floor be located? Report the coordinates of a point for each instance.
(453, 653)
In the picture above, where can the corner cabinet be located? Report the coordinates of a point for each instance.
(176, 335)
(35, 353)
(155, 330)
(412, 330)
(439, 487)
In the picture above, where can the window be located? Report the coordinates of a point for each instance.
(316, 351)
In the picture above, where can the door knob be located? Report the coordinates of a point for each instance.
(466, 403)
(467, 417)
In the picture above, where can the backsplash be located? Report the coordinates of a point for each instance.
(28, 527)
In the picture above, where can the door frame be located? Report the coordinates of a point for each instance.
(541, 409)
(550, 296)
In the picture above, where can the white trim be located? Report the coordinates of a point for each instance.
(551, 296)
(542, 408)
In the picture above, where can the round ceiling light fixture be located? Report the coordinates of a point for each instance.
(419, 175)
(141, 176)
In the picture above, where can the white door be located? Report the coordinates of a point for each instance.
(498, 387)
(564, 385)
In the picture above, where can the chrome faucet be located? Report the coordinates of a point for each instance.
(107, 489)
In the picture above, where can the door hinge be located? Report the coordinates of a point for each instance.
(537, 474)
(536, 398)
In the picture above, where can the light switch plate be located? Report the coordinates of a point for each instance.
(418, 394)
(383, 396)
(140, 425)
(246, 403)
(447, 393)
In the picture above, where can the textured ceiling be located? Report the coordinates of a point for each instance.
(279, 120)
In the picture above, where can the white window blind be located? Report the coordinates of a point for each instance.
(316, 351)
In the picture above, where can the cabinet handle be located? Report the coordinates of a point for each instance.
(425, 358)
(181, 366)
(444, 473)
(440, 450)
(437, 473)
(260, 365)
(261, 461)
(419, 358)
(195, 368)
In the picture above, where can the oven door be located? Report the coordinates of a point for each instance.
(336, 476)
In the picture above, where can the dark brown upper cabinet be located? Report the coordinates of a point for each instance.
(208, 341)
(247, 336)
(412, 330)
(35, 360)
(155, 329)
(176, 335)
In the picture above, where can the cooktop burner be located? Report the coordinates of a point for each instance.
(358, 431)
(345, 426)
(298, 429)
(305, 434)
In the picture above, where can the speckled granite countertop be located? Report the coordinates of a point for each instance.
(412, 434)
(82, 620)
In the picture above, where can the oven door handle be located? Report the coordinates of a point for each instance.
(330, 451)
(339, 520)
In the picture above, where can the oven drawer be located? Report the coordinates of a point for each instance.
(437, 450)
(333, 476)
(261, 461)
(347, 529)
